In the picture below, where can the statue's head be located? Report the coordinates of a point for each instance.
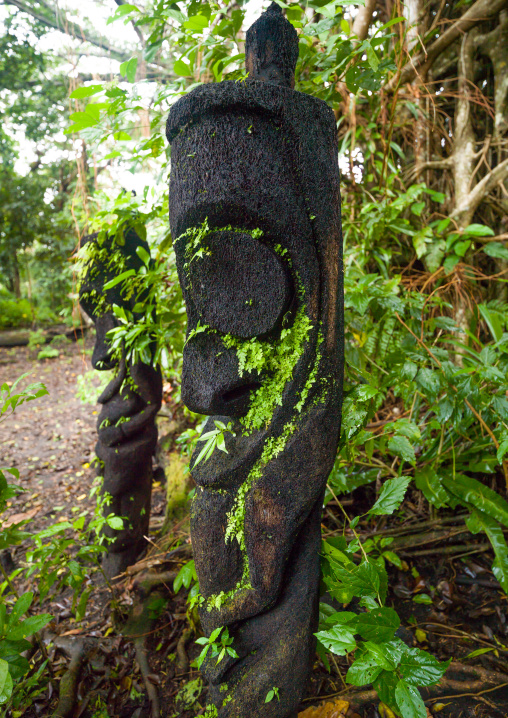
(271, 49)
(104, 259)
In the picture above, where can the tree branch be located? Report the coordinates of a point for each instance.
(70, 28)
(363, 19)
(482, 189)
(480, 11)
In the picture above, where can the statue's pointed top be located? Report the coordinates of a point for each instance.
(271, 48)
(273, 7)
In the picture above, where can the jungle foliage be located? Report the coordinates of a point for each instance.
(422, 116)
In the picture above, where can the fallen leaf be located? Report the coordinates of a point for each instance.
(421, 636)
(337, 709)
(17, 518)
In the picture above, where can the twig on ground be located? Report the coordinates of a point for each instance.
(149, 679)
(182, 660)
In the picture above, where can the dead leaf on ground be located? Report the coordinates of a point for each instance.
(17, 518)
(337, 709)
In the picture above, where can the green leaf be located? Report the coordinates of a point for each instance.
(196, 23)
(421, 668)
(385, 685)
(496, 249)
(11, 652)
(181, 68)
(115, 522)
(20, 607)
(429, 381)
(503, 448)
(116, 280)
(409, 700)
(400, 446)
(494, 321)
(363, 671)
(430, 484)
(4, 672)
(185, 576)
(478, 521)
(362, 580)
(5, 682)
(478, 496)
(387, 654)
(404, 427)
(478, 230)
(29, 626)
(128, 69)
(392, 494)
(423, 598)
(339, 640)
(121, 136)
(378, 625)
(86, 91)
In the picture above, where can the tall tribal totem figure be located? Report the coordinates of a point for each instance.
(254, 204)
(126, 425)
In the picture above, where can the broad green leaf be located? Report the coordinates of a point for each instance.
(185, 576)
(115, 522)
(5, 682)
(385, 685)
(400, 446)
(478, 230)
(496, 249)
(392, 494)
(86, 91)
(404, 427)
(478, 496)
(4, 672)
(387, 654)
(29, 626)
(430, 484)
(181, 68)
(122, 136)
(421, 668)
(363, 671)
(362, 580)
(339, 640)
(196, 23)
(20, 607)
(429, 381)
(409, 700)
(378, 625)
(52, 531)
(128, 68)
(11, 652)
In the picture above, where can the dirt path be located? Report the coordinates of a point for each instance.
(50, 440)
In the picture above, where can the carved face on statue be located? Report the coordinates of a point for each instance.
(255, 210)
(126, 425)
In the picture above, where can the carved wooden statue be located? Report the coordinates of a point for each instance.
(254, 206)
(126, 425)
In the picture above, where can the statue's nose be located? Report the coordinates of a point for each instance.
(211, 383)
(101, 357)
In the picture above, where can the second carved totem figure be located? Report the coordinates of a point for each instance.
(255, 209)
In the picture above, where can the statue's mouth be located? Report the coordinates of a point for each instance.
(240, 393)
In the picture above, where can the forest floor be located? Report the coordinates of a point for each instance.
(120, 663)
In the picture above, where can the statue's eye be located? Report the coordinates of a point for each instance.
(239, 285)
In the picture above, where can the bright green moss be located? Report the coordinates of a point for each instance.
(278, 359)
